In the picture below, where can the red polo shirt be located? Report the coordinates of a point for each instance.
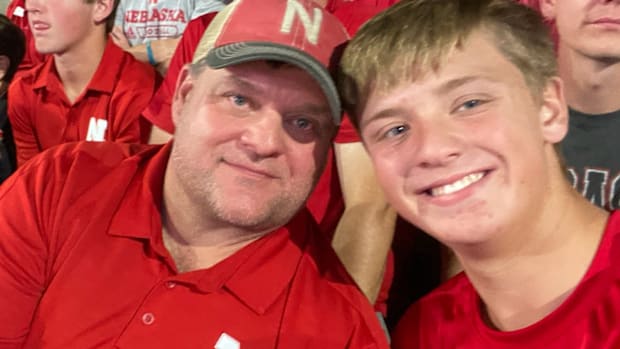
(109, 108)
(82, 265)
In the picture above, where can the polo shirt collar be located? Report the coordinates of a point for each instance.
(103, 80)
(257, 274)
(141, 203)
(263, 277)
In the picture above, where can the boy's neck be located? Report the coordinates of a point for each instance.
(77, 66)
(590, 86)
(539, 264)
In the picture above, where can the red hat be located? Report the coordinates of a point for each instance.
(298, 32)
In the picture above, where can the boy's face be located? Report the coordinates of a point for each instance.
(590, 27)
(463, 152)
(60, 25)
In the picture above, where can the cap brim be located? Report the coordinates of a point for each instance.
(237, 53)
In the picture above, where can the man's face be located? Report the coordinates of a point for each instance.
(463, 152)
(250, 142)
(589, 27)
(60, 25)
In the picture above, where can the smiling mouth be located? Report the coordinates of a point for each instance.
(456, 185)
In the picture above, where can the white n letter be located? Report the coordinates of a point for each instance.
(96, 129)
(312, 27)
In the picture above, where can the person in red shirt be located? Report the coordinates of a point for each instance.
(461, 111)
(87, 89)
(365, 232)
(203, 241)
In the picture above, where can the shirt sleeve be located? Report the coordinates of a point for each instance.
(23, 253)
(20, 115)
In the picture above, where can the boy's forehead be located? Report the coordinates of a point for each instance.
(476, 60)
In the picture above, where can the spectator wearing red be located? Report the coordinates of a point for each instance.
(87, 89)
(365, 230)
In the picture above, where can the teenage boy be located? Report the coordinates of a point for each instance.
(87, 89)
(588, 53)
(202, 242)
(460, 110)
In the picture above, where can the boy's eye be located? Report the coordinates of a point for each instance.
(472, 103)
(396, 131)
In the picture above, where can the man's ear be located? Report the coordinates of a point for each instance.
(5, 63)
(553, 111)
(102, 9)
(547, 9)
(184, 85)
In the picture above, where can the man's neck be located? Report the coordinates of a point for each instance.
(193, 240)
(77, 66)
(539, 264)
(591, 86)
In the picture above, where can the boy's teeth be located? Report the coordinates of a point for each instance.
(457, 185)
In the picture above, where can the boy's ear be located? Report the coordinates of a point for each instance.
(102, 10)
(547, 9)
(553, 111)
(184, 85)
(5, 63)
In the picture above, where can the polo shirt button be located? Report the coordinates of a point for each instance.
(171, 284)
(148, 318)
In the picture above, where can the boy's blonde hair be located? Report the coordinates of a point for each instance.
(415, 36)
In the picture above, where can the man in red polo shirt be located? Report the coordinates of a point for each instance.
(202, 242)
(87, 89)
(363, 236)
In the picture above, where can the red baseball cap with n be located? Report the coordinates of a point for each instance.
(298, 32)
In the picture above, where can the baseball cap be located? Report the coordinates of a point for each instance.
(298, 32)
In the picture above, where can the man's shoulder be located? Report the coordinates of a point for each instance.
(26, 79)
(328, 288)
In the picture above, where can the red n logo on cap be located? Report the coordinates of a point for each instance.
(312, 25)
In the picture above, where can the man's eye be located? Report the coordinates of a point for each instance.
(239, 100)
(303, 124)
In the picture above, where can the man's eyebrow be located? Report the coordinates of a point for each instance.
(241, 83)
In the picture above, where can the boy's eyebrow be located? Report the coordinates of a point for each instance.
(385, 113)
(442, 89)
(458, 82)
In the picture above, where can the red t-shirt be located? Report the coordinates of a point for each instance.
(109, 109)
(589, 318)
(83, 265)
(16, 12)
